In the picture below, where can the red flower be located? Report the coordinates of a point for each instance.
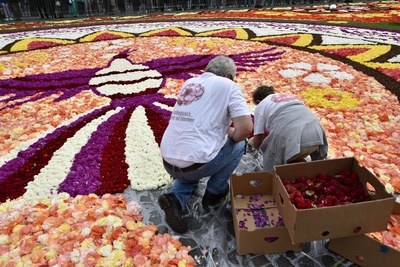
(325, 190)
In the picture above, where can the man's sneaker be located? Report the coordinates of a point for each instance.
(173, 212)
(210, 199)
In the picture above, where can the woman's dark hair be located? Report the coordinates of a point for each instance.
(262, 92)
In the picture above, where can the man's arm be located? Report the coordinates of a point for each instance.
(242, 128)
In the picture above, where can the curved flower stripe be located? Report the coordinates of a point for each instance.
(172, 31)
(143, 159)
(84, 176)
(105, 35)
(37, 43)
(329, 98)
(237, 33)
(69, 83)
(391, 66)
(368, 52)
(391, 72)
(303, 40)
(158, 126)
(54, 173)
(114, 169)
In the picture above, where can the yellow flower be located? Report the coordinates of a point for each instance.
(132, 225)
(64, 228)
(87, 244)
(17, 228)
(330, 98)
(4, 259)
(338, 21)
(128, 262)
(51, 254)
(110, 220)
(3, 239)
(182, 263)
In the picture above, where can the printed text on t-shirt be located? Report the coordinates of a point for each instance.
(181, 116)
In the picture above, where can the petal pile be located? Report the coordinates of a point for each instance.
(84, 231)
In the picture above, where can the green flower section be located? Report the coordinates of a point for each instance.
(329, 98)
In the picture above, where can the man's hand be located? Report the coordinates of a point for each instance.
(256, 141)
(242, 128)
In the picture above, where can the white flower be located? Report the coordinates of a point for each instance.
(389, 188)
(325, 74)
(321, 66)
(85, 231)
(341, 75)
(118, 245)
(163, 106)
(105, 251)
(75, 256)
(317, 78)
(143, 157)
(290, 73)
(299, 65)
(127, 78)
(43, 238)
(395, 59)
(133, 207)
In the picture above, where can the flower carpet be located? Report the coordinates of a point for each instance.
(84, 104)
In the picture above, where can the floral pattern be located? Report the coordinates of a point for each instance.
(106, 148)
(82, 116)
(102, 149)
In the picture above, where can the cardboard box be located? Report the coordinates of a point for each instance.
(367, 251)
(257, 223)
(305, 225)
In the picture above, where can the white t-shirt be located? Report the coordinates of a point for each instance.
(267, 107)
(201, 118)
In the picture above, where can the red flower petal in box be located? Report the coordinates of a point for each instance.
(325, 190)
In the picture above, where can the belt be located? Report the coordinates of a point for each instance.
(187, 169)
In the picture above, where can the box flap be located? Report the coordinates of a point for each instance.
(251, 183)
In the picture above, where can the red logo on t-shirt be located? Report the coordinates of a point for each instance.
(283, 98)
(190, 93)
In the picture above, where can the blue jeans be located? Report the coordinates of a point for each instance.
(219, 170)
